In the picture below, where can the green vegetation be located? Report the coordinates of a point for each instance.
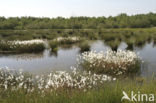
(23, 87)
(110, 62)
(53, 45)
(67, 40)
(112, 37)
(110, 92)
(113, 44)
(10, 47)
(135, 30)
(63, 42)
(120, 21)
(102, 34)
(84, 46)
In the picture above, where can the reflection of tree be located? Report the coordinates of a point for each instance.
(67, 46)
(154, 41)
(53, 53)
(140, 44)
(149, 40)
(130, 47)
(28, 56)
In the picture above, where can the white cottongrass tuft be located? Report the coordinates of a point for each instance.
(15, 80)
(74, 39)
(109, 61)
(25, 42)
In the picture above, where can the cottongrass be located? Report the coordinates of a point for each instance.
(22, 46)
(110, 62)
(25, 42)
(63, 41)
(16, 80)
(67, 40)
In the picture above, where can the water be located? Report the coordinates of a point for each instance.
(65, 58)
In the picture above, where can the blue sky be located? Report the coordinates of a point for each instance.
(67, 8)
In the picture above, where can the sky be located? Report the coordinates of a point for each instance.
(68, 8)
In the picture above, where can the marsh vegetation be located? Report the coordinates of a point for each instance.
(101, 72)
(110, 62)
(67, 87)
(119, 21)
(31, 46)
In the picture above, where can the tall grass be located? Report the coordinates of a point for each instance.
(63, 42)
(12, 47)
(53, 45)
(105, 34)
(110, 62)
(84, 46)
(113, 44)
(108, 93)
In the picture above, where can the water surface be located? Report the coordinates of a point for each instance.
(66, 57)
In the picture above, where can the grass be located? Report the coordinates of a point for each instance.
(54, 46)
(93, 34)
(8, 47)
(112, 37)
(110, 92)
(113, 44)
(68, 41)
(64, 42)
(84, 46)
(110, 62)
(113, 69)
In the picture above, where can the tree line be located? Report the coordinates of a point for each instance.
(121, 21)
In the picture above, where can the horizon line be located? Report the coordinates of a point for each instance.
(78, 16)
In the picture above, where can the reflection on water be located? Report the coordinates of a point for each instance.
(62, 61)
(23, 56)
(65, 57)
(148, 55)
